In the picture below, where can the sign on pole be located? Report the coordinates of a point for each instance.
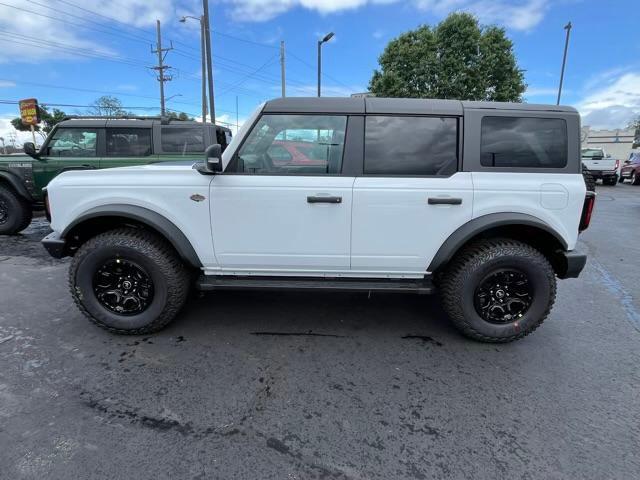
(30, 114)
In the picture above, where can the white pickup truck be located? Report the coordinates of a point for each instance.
(600, 165)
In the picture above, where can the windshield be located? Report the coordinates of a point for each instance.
(592, 153)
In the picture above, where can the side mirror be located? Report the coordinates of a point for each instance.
(608, 155)
(30, 149)
(213, 158)
(627, 162)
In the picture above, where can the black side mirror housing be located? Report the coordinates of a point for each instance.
(213, 158)
(30, 149)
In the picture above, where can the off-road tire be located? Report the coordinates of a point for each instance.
(462, 277)
(589, 181)
(635, 178)
(19, 212)
(171, 279)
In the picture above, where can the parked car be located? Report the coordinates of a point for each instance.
(94, 143)
(631, 169)
(482, 202)
(601, 166)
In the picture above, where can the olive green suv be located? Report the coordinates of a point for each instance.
(95, 143)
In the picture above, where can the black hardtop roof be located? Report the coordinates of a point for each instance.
(373, 105)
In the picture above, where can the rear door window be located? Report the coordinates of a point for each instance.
(522, 142)
(421, 146)
(182, 140)
(128, 142)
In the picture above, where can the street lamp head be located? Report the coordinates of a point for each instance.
(327, 37)
(183, 20)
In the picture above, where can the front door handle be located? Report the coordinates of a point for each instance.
(324, 199)
(444, 201)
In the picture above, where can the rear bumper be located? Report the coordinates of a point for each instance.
(55, 245)
(602, 173)
(571, 264)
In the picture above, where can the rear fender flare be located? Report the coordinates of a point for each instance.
(466, 232)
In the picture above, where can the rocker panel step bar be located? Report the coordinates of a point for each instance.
(212, 282)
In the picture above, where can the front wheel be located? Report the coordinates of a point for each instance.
(15, 213)
(498, 290)
(635, 179)
(128, 281)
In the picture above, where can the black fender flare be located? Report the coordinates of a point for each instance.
(146, 217)
(482, 224)
(16, 184)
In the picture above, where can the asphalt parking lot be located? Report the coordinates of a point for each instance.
(297, 386)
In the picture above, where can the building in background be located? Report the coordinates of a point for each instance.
(618, 143)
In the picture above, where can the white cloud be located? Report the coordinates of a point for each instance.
(515, 14)
(31, 32)
(613, 103)
(11, 135)
(7, 84)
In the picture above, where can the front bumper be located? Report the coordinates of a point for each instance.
(55, 245)
(571, 264)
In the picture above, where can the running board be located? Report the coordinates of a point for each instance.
(213, 282)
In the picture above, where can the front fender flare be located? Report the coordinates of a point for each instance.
(481, 224)
(16, 184)
(146, 217)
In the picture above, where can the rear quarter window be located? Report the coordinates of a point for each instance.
(182, 140)
(523, 142)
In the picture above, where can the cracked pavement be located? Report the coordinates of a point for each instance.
(302, 385)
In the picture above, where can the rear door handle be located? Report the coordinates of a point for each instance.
(444, 201)
(323, 199)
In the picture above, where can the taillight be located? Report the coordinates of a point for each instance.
(587, 210)
(617, 164)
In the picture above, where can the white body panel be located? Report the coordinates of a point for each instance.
(264, 224)
(395, 230)
(161, 188)
(556, 199)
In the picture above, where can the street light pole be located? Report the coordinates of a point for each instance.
(567, 27)
(325, 39)
(203, 55)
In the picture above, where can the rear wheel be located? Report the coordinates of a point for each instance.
(15, 212)
(621, 179)
(498, 290)
(128, 281)
(610, 180)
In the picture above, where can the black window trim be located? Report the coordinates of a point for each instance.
(106, 134)
(525, 169)
(459, 143)
(233, 163)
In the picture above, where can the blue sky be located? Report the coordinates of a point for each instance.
(72, 51)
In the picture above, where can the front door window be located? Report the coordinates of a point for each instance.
(73, 142)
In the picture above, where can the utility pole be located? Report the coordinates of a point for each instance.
(237, 116)
(282, 70)
(160, 68)
(207, 31)
(203, 51)
(567, 27)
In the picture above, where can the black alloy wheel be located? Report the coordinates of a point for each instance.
(123, 287)
(503, 296)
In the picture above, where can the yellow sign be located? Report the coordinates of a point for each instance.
(29, 112)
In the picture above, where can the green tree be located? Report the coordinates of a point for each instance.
(455, 59)
(179, 116)
(107, 106)
(48, 121)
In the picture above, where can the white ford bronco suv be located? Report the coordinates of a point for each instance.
(482, 202)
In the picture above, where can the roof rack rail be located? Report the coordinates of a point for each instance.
(115, 117)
